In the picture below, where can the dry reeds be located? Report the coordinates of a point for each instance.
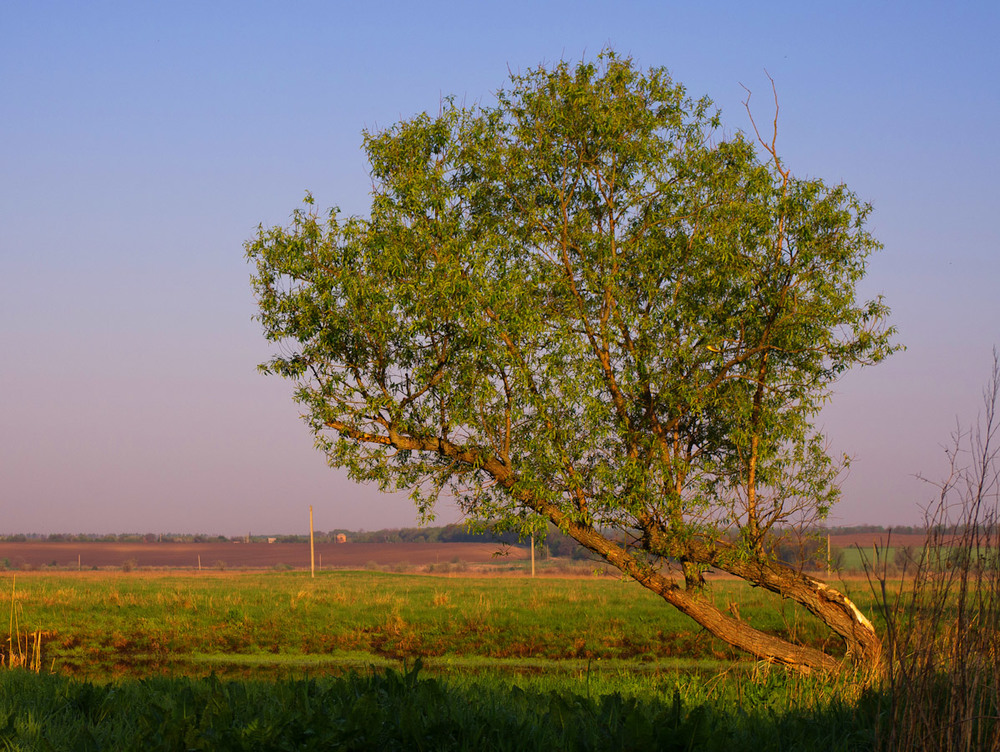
(942, 640)
(26, 654)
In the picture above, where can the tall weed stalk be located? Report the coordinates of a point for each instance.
(21, 655)
(942, 640)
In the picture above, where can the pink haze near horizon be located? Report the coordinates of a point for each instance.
(141, 145)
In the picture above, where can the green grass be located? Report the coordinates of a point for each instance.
(137, 624)
(390, 710)
(856, 558)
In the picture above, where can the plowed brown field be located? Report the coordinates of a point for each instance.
(249, 555)
(86, 555)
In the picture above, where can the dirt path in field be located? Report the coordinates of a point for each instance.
(34, 555)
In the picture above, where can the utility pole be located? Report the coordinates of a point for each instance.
(312, 547)
(829, 561)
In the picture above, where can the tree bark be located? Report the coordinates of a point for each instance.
(831, 607)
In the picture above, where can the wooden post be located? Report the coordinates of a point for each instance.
(532, 554)
(199, 562)
(312, 547)
(79, 562)
(829, 561)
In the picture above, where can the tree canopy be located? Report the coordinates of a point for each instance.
(588, 305)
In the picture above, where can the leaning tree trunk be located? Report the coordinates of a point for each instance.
(864, 648)
(832, 608)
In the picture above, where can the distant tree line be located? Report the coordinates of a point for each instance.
(443, 534)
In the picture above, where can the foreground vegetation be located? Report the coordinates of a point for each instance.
(401, 710)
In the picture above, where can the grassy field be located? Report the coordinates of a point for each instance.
(373, 660)
(107, 625)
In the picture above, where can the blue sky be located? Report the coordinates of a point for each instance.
(141, 144)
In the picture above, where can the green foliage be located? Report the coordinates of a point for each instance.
(397, 710)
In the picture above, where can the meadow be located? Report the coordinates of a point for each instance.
(99, 625)
(376, 660)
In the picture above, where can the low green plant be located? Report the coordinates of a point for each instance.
(404, 709)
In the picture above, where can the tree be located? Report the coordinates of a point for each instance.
(583, 305)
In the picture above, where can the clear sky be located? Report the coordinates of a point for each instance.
(142, 143)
